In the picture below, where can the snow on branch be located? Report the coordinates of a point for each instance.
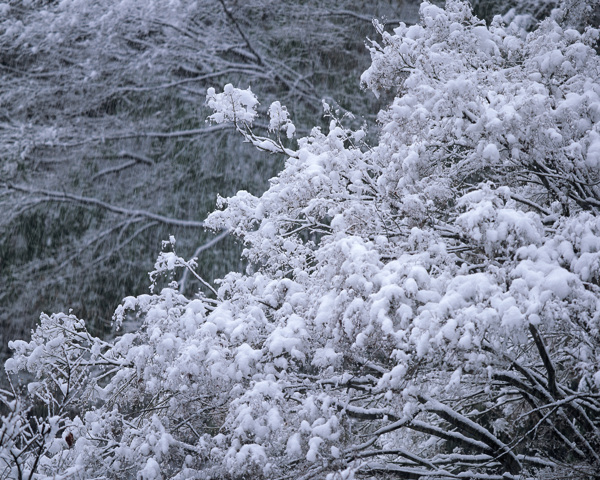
(239, 107)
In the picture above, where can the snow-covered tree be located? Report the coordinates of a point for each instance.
(424, 307)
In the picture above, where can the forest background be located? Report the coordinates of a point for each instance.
(105, 148)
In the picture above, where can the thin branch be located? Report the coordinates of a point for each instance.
(520, 199)
(233, 20)
(116, 169)
(550, 370)
(127, 136)
(183, 280)
(54, 196)
(358, 16)
(199, 78)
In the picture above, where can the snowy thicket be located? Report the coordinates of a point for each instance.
(428, 306)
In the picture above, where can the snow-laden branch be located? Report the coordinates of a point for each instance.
(238, 107)
(464, 424)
